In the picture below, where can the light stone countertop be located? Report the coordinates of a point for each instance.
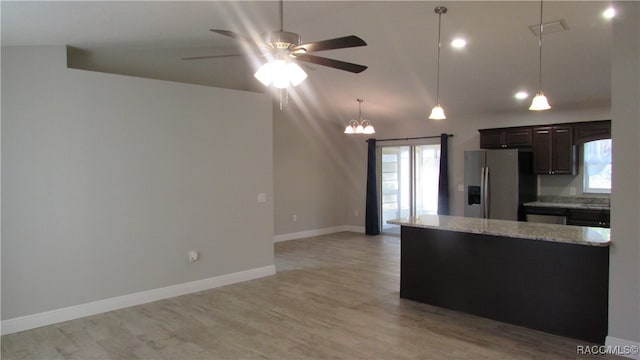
(591, 236)
(568, 205)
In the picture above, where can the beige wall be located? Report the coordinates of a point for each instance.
(108, 181)
(309, 171)
(624, 293)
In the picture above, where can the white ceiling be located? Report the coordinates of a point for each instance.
(501, 56)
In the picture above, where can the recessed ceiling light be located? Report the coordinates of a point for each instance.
(520, 95)
(609, 13)
(458, 43)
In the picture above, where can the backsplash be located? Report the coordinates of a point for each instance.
(570, 186)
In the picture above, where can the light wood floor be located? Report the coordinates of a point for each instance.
(334, 296)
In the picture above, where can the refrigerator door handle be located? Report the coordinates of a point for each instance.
(487, 204)
(482, 194)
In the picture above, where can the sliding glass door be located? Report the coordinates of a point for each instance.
(408, 182)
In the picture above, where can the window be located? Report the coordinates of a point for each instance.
(597, 166)
(408, 182)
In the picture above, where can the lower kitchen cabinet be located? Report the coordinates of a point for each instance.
(584, 217)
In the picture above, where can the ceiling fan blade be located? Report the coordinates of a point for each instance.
(337, 43)
(336, 64)
(211, 56)
(236, 36)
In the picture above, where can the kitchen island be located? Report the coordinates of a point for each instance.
(548, 277)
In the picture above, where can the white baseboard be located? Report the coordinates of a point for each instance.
(621, 347)
(355, 229)
(317, 232)
(97, 307)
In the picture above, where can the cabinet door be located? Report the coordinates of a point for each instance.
(518, 138)
(491, 139)
(584, 217)
(542, 150)
(563, 154)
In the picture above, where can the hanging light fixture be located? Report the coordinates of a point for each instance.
(540, 101)
(360, 126)
(437, 113)
(281, 71)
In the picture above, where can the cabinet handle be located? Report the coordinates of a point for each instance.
(562, 130)
(542, 131)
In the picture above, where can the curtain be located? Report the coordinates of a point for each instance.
(443, 182)
(372, 222)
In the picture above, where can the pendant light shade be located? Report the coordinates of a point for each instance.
(437, 113)
(540, 102)
(361, 126)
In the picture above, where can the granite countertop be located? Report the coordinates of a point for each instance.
(569, 202)
(580, 235)
(567, 205)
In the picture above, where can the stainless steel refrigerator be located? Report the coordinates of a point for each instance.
(497, 183)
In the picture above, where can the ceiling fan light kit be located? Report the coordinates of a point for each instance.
(281, 74)
(437, 113)
(284, 49)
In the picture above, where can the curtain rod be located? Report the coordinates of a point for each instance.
(411, 138)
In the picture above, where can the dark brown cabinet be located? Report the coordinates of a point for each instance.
(507, 138)
(553, 150)
(588, 217)
(590, 131)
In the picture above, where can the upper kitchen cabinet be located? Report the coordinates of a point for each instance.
(589, 131)
(507, 138)
(553, 150)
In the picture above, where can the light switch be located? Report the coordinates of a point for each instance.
(262, 197)
(460, 187)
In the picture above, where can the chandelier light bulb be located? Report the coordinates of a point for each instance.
(369, 130)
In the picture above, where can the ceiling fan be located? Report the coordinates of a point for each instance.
(284, 48)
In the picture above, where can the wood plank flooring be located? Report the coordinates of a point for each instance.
(334, 296)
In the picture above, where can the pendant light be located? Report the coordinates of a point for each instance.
(437, 113)
(360, 126)
(540, 101)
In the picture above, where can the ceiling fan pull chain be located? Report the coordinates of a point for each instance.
(281, 90)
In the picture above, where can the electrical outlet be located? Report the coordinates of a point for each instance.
(295, 218)
(193, 255)
(572, 191)
(355, 212)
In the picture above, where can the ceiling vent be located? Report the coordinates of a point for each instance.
(549, 27)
